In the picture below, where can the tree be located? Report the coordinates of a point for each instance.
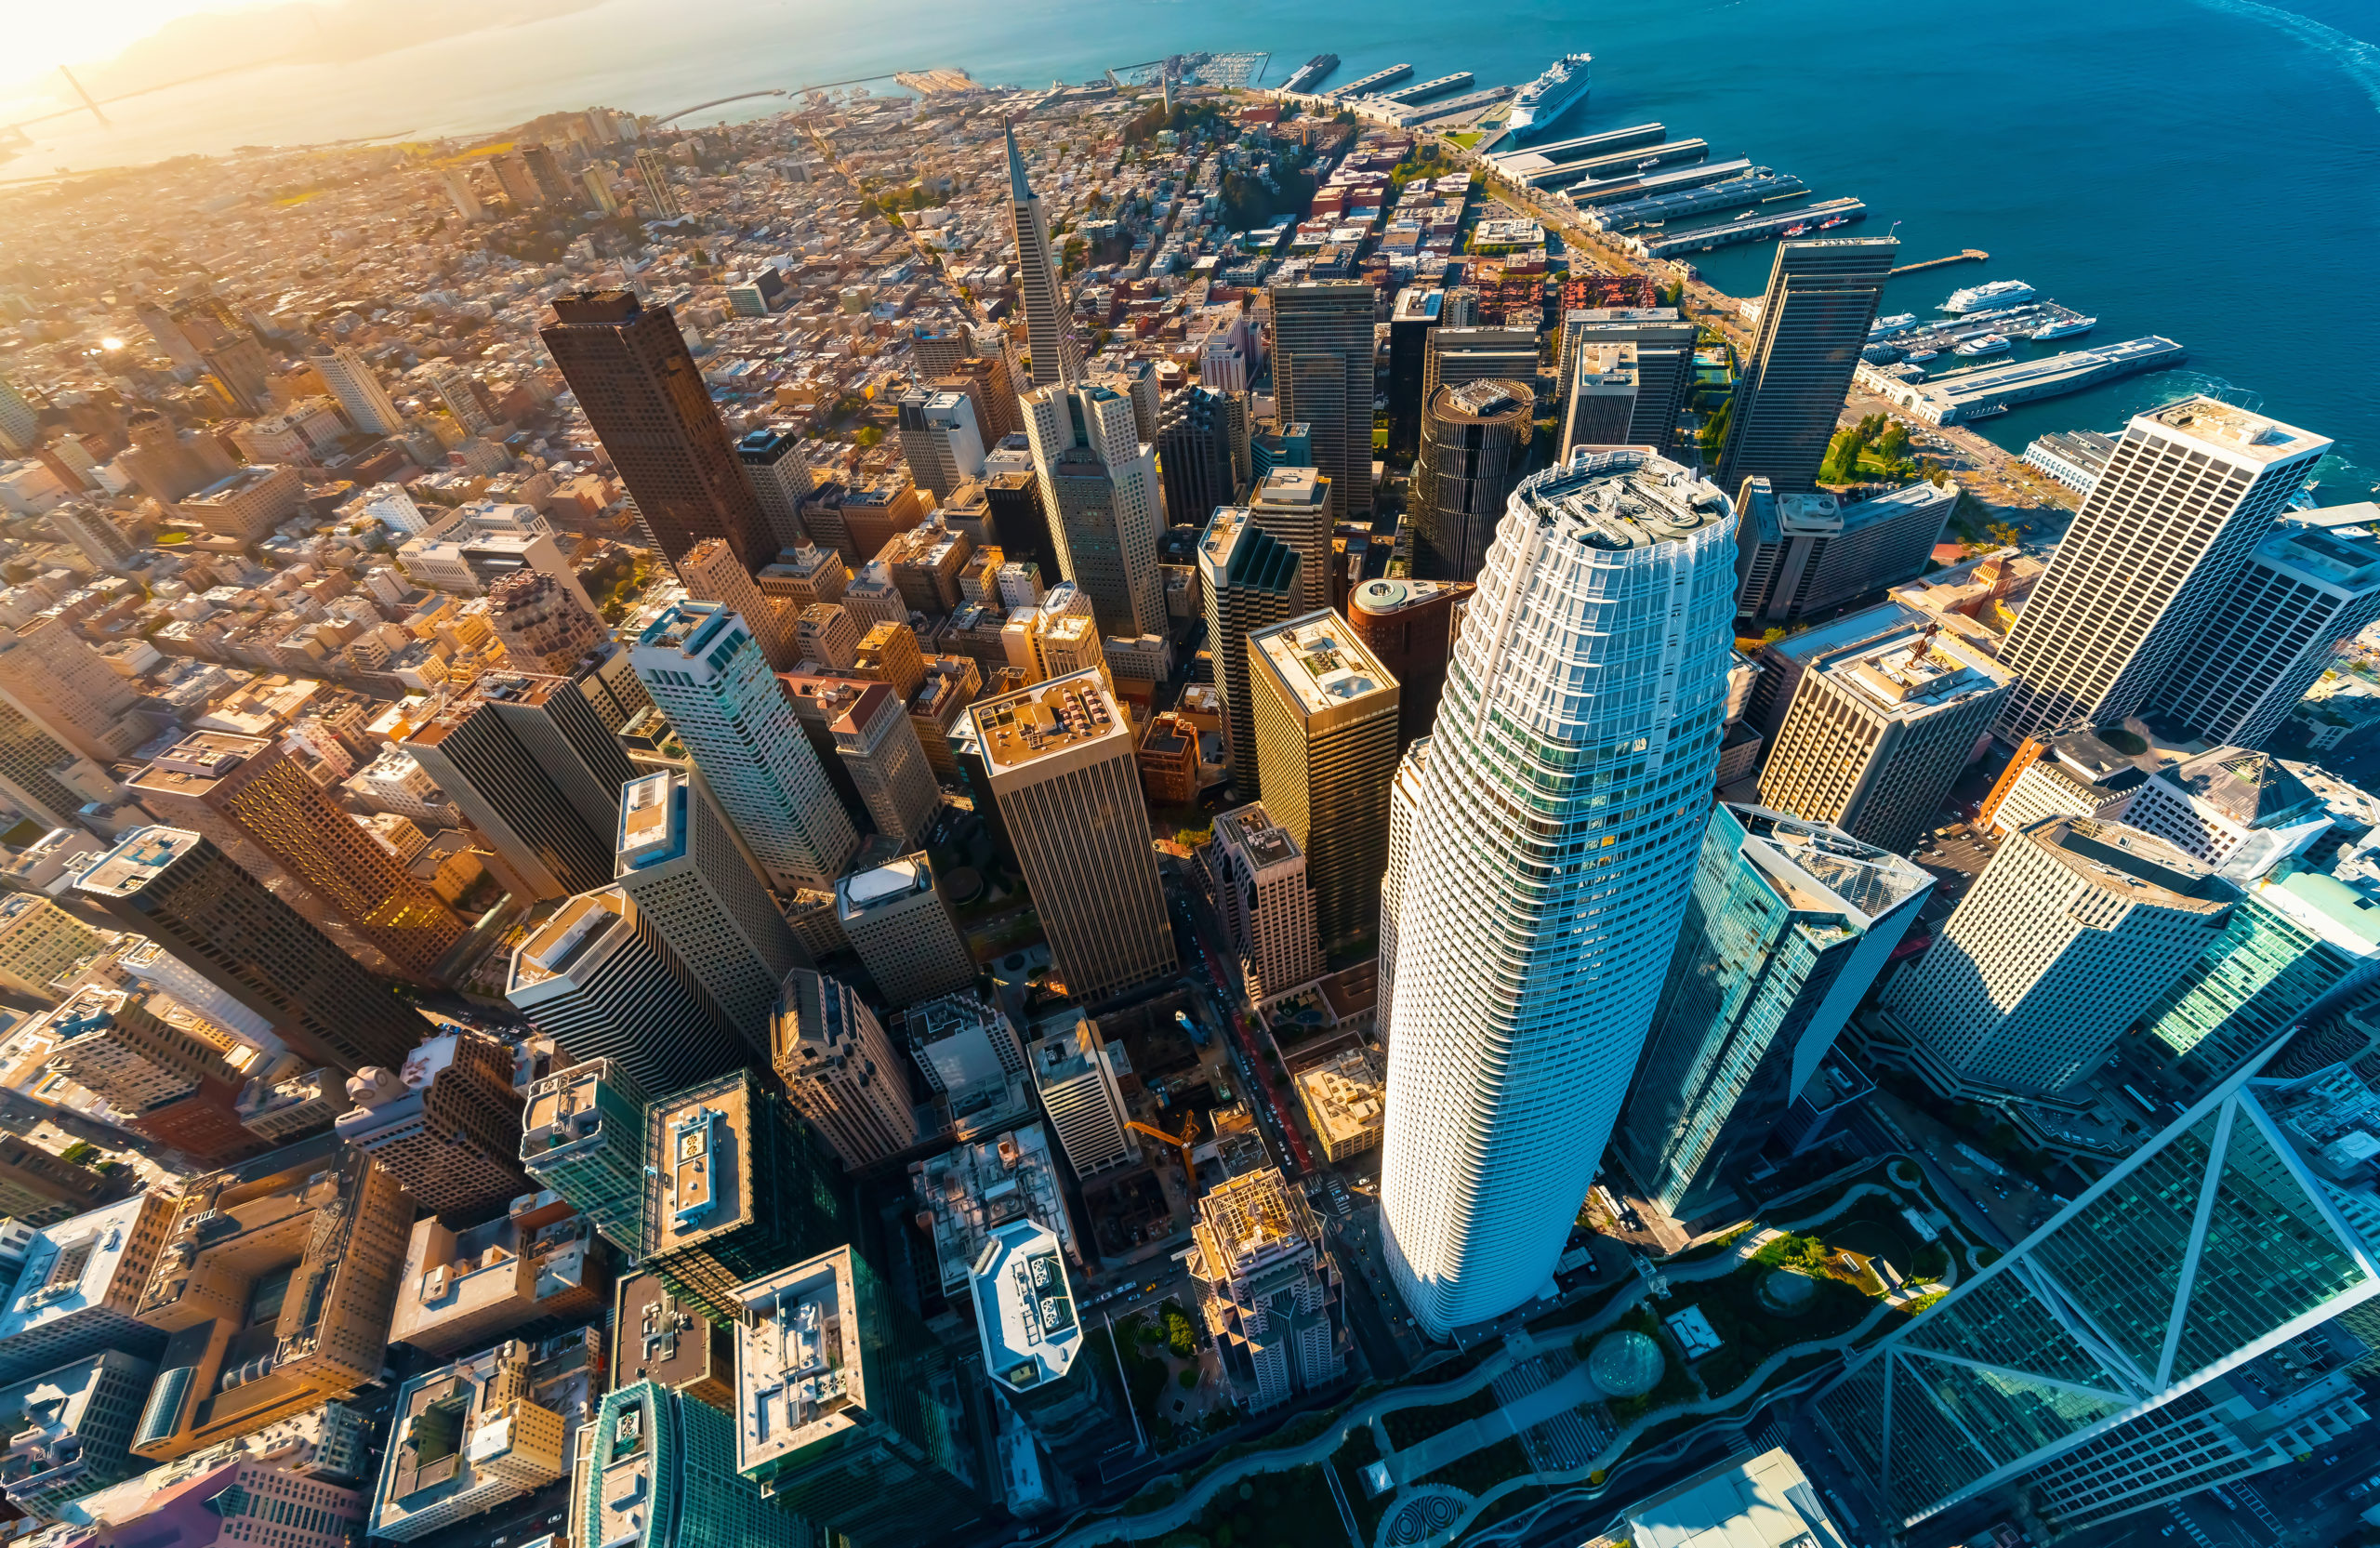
(869, 434)
(1178, 1335)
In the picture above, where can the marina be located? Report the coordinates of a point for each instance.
(1965, 255)
(2040, 319)
(1959, 397)
(1760, 187)
(1811, 220)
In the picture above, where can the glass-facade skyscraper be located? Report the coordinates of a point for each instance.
(1546, 866)
(1788, 924)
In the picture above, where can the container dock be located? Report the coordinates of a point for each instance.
(1655, 209)
(1374, 81)
(1613, 191)
(1944, 336)
(1412, 94)
(1311, 73)
(1747, 228)
(1963, 396)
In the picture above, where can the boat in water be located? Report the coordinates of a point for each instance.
(1884, 327)
(1796, 231)
(1989, 297)
(1916, 355)
(2064, 328)
(1830, 225)
(1552, 94)
(1982, 344)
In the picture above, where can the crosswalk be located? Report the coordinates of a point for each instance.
(2257, 1508)
(2191, 1527)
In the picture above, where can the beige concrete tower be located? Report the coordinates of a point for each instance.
(1326, 738)
(1048, 330)
(713, 573)
(842, 1070)
(879, 745)
(1266, 907)
(896, 921)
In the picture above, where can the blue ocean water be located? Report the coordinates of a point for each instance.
(2204, 169)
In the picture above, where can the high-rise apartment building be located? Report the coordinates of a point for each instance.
(653, 174)
(694, 886)
(644, 397)
(252, 799)
(1327, 718)
(1073, 1074)
(661, 1473)
(597, 977)
(1249, 576)
(1262, 893)
(1322, 377)
(940, 439)
(1200, 434)
(1801, 554)
(582, 1136)
(1268, 1289)
(189, 897)
(50, 675)
(357, 387)
(535, 763)
(1661, 346)
(738, 1185)
(706, 673)
(879, 744)
(1531, 943)
(2072, 932)
(1099, 485)
(2119, 1349)
(1813, 321)
(2156, 551)
(445, 1124)
(1878, 733)
(711, 573)
(2305, 588)
(1060, 763)
(842, 1069)
(903, 931)
(1409, 626)
(886, 1458)
(1788, 926)
(1475, 444)
(1041, 292)
(780, 477)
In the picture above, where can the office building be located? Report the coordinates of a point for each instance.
(169, 1075)
(2101, 1344)
(1408, 626)
(544, 629)
(353, 382)
(1529, 952)
(535, 763)
(711, 573)
(319, 1218)
(661, 1473)
(1033, 1349)
(1409, 326)
(826, 634)
(1814, 320)
(71, 1429)
(973, 1060)
(1013, 496)
(2070, 932)
(1878, 733)
(535, 1269)
(247, 503)
(739, 1185)
(1099, 486)
(1474, 445)
(465, 398)
(1264, 900)
(653, 175)
(1295, 505)
(1345, 1100)
(79, 1284)
(38, 1186)
(1327, 718)
(2156, 551)
(254, 801)
(1074, 1072)
(1056, 356)
(1058, 760)
(52, 677)
(1322, 377)
(42, 778)
(645, 399)
(964, 1193)
(940, 439)
(879, 745)
(1249, 577)
(582, 1137)
(445, 1124)
(1199, 436)
(671, 1343)
(1801, 554)
(1404, 805)
(20, 426)
(94, 531)
(2305, 588)
(696, 888)
(464, 1439)
(225, 926)
(1268, 1289)
(781, 480)
(706, 673)
(1765, 1502)
(903, 931)
(1660, 345)
(876, 1450)
(42, 946)
(597, 977)
(842, 1070)
(2231, 808)
(1789, 925)
(1600, 403)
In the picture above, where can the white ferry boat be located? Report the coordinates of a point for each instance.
(2066, 329)
(1547, 98)
(1990, 298)
(1884, 327)
(1915, 355)
(1981, 344)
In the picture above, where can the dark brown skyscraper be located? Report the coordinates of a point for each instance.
(193, 899)
(632, 374)
(1410, 626)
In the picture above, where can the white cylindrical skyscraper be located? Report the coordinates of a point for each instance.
(1547, 860)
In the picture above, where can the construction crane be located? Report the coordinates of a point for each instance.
(1183, 1142)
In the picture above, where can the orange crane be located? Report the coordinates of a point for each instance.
(1183, 1142)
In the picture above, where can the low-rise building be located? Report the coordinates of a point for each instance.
(533, 1271)
(463, 1439)
(69, 1430)
(79, 1284)
(1346, 1101)
(967, 1192)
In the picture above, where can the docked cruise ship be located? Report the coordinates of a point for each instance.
(1547, 98)
(1990, 298)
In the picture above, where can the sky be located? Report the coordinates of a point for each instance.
(43, 36)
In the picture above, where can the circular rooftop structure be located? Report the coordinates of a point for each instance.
(1626, 1364)
(1783, 1291)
